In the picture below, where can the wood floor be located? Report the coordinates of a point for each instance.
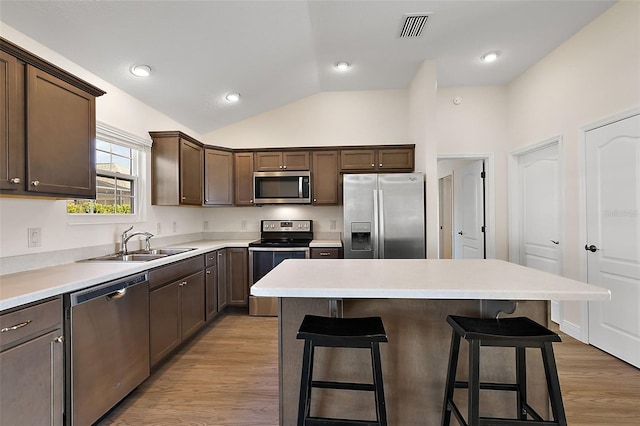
(228, 375)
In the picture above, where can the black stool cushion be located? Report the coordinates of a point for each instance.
(519, 328)
(369, 328)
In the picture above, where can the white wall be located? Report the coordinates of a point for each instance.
(594, 75)
(119, 110)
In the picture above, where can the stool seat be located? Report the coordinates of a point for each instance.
(319, 331)
(520, 333)
(510, 329)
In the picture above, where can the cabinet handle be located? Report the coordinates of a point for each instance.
(182, 284)
(325, 253)
(380, 165)
(184, 198)
(208, 272)
(35, 183)
(15, 180)
(280, 166)
(315, 199)
(16, 326)
(219, 254)
(373, 165)
(284, 167)
(59, 339)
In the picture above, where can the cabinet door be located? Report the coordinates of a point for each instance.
(243, 162)
(218, 178)
(222, 279)
(211, 292)
(31, 377)
(268, 161)
(61, 135)
(191, 304)
(190, 173)
(325, 186)
(164, 321)
(358, 159)
(295, 160)
(238, 276)
(401, 158)
(11, 123)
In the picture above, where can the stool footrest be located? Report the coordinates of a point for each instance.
(530, 411)
(343, 385)
(484, 421)
(319, 421)
(488, 385)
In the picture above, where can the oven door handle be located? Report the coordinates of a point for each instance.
(302, 249)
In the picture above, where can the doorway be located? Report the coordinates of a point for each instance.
(612, 234)
(472, 213)
(535, 210)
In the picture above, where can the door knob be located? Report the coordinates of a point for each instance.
(591, 248)
(460, 233)
(555, 242)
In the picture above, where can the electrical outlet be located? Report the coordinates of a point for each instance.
(175, 227)
(158, 229)
(35, 237)
(243, 225)
(205, 225)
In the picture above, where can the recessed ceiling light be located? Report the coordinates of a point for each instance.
(490, 57)
(141, 70)
(232, 97)
(342, 66)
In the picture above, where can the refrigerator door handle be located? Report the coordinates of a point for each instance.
(376, 219)
(381, 220)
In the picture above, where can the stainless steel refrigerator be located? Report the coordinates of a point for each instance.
(384, 216)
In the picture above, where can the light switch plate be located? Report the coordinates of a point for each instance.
(35, 237)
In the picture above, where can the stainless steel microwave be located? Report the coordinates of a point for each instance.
(282, 187)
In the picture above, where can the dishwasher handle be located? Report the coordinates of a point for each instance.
(112, 290)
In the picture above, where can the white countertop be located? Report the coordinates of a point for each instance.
(30, 286)
(326, 243)
(420, 279)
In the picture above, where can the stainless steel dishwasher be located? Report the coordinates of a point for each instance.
(107, 346)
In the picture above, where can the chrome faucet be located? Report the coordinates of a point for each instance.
(126, 237)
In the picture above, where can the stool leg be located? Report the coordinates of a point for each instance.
(553, 384)
(381, 410)
(521, 381)
(449, 386)
(474, 383)
(304, 403)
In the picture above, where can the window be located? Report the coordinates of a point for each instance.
(120, 159)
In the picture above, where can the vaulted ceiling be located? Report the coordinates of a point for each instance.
(276, 52)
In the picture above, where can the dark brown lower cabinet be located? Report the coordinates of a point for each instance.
(176, 306)
(211, 285)
(222, 279)
(31, 372)
(238, 276)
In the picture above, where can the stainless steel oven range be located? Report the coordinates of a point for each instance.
(279, 240)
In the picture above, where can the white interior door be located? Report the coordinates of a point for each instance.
(539, 213)
(469, 211)
(612, 155)
(446, 217)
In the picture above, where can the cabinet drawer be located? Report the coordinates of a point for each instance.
(211, 258)
(172, 272)
(325, 253)
(27, 322)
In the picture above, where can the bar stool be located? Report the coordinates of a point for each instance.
(343, 333)
(520, 333)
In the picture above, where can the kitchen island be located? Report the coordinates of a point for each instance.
(413, 297)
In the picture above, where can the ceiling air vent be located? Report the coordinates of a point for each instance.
(413, 25)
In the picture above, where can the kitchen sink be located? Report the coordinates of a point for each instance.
(162, 251)
(140, 255)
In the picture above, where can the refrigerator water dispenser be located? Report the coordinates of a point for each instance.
(361, 236)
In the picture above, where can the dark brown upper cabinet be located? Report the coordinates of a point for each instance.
(400, 158)
(218, 177)
(48, 128)
(269, 161)
(325, 185)
(176, 169)
(243, 174)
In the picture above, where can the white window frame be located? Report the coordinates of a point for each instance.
(107, 133)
